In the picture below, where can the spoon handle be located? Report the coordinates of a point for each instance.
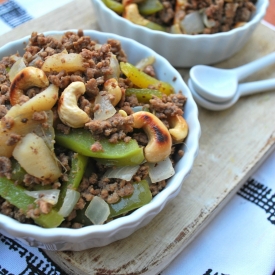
(252, 67)
(256, 87)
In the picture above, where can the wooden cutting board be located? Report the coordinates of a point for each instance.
(233, 144)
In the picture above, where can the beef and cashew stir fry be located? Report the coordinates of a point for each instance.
(185, 16)
(85, 135)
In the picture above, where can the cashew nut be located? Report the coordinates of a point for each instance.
(131, 13)
(68, 111)
(21, 115)
(62, 61)
(179, 128)
(122, 113)
(43, 101)
(111, 86)
(160, 141)
(26, 78)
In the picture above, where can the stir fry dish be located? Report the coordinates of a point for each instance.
(86, 136)
(185, 16)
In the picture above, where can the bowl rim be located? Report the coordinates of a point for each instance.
(256, 17)
(21, 230)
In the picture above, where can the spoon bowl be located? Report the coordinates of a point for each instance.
(210, 105)
(214, 84)
(220, 85)
(243, 89)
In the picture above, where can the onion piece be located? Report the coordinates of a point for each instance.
(192, 23)
(209, 23)
(97, 211)
(47, 133)
(114, 67)
(16, 68)
(36, 57)
(70, 200)
(98, 46)
(145, 62)
(106, 109)
(175, 29)
(15, 57)
(161, 170)
(123, 172)
(50, 196)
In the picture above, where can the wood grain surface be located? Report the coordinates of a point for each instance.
(233, 144)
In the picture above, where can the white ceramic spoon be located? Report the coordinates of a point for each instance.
(242, 90)
(220, 85)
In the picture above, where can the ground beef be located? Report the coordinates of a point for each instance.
(63, 128)
(13, 139)
(115, 124)
(97, 147)
(5, 167)
(44, 207)
(149, 69)
(3, 111)
(7, 122)
(39, 116)
(168, 106)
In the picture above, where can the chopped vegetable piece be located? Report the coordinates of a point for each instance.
(192, 23)
(123, 172)
(16, 195)
(120, 154)
(105, 109)
(97, 211)
(132, 14)
(149, 7)
(69, 202)
(17, 173)
(144, 62)
(161, 170)
(78, 167)
(36, 158)
(16, 68)
(143, 80)
(154, 26)
(113, 5)
(143, 95)
(141, 196)
(79, 164)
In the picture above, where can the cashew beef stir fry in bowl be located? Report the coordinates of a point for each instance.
(185, 16)
(86, 136)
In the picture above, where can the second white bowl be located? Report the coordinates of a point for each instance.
(182, 50)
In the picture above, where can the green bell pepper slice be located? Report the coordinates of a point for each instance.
(17, 173)
(154, 26)
(141, 196)
(143, 95)
(119, 154)
(75, 175)
(149, 7)
(16, 195)
(143, 80)
(114, 6)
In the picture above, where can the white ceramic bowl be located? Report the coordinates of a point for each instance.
(182, 50)
(100, 235)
